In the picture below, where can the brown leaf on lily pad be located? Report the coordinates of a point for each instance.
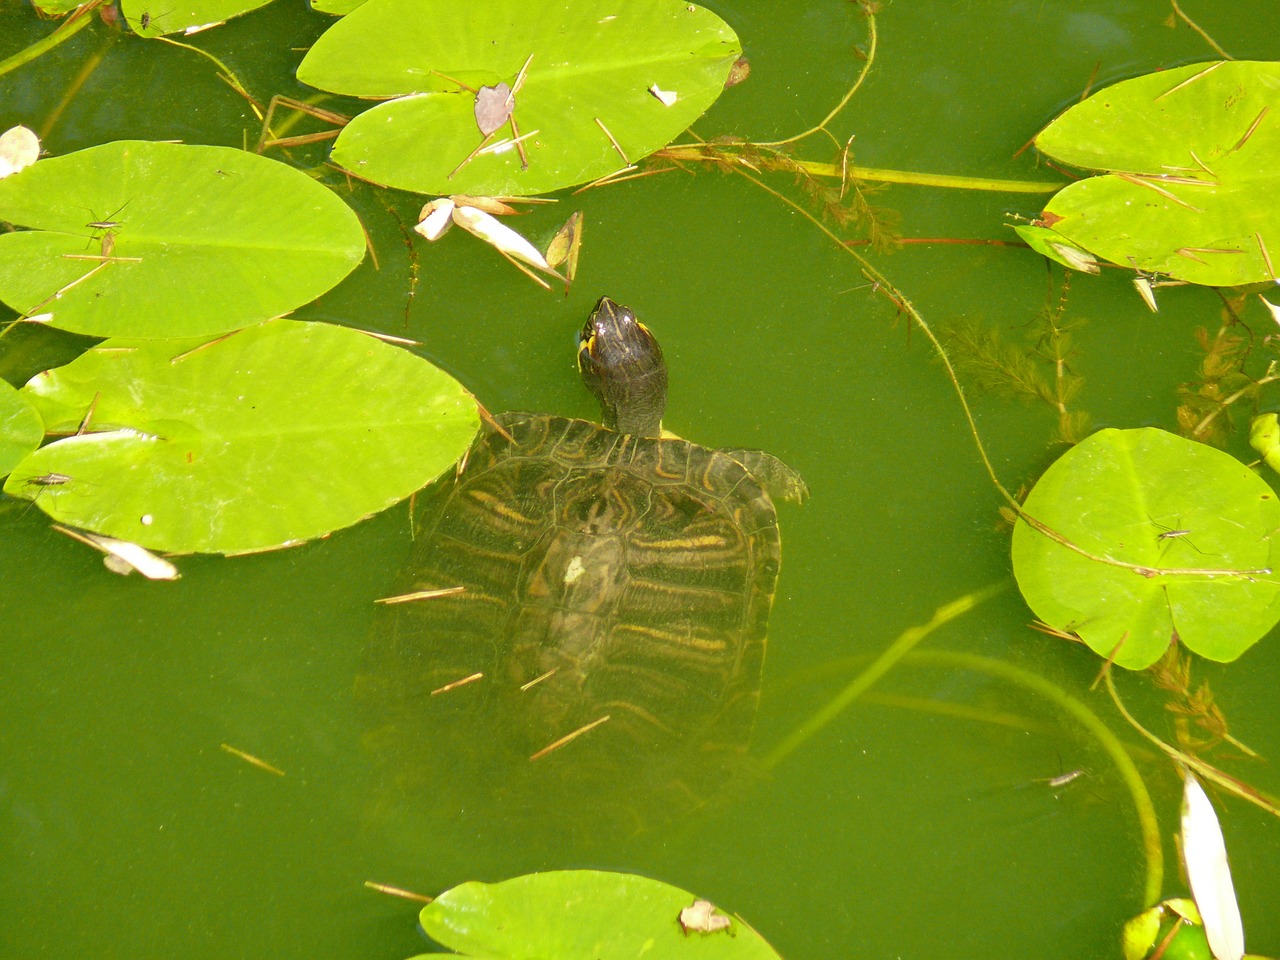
(494, 106)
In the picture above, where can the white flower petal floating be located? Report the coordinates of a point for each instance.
(501, 237)
(123, 557)
(434, 220)
(1205, 854)
(1275, 311)
(19, 148)
(666, 97)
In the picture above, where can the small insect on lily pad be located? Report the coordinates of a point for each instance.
(1136, 539)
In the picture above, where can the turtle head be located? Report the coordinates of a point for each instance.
(621, 363)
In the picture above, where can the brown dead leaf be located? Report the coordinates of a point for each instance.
(565, 245)
(494, 106)
(740, 70)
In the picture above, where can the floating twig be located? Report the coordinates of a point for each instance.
(568, 737)
(252, 760)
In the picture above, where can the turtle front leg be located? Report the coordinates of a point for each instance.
(780, 481)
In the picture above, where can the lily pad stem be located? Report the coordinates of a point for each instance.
(721, 151)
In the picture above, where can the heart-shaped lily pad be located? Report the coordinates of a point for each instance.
(1193, 183)
(583, 81)
(271, 436)
(586, 915)
(140, 239)
(1141, 539)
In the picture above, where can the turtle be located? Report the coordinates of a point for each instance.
(590, 590)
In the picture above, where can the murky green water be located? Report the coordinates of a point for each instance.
(902, 830)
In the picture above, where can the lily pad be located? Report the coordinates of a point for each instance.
(580, 915)
(153, 18)
(337, 8)
(21, 428)
(585, 105)
(140, 239)
(1173, 540)
(274, 435)
(1193, 183)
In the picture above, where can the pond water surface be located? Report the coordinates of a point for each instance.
(920, 823)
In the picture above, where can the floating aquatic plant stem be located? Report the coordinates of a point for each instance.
(903, 647)
(905, 642)
(883, 284)
(73, 88)
(868, 11)
(1177, 12)
(707, 153)
(1206, 770)
(226, 75)
(76, 22)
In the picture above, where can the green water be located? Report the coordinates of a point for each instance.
(901, 830)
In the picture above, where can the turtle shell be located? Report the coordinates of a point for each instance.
(602, 576)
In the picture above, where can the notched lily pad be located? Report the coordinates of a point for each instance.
(584, 915)
(1192, 188)
(1173, 541)
(144, 240)
(584, 108)
(274, 435)
(154, 18)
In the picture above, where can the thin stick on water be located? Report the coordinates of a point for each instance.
(398, 892)
(252, 760)
(568, 737)
(458, 683)
(422, 595)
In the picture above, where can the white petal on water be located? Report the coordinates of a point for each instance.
(1275, 311)
(434, 220)
(123, 556)
(19, 148)
(498, 235)
(1205, 854)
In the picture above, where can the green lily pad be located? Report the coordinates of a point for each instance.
(139, 239)
(1193, 183)
(21, 428)
(337, 8)
(1176, 541)
(55, 8)
(1057, 248)
(153, 18)
(591, 68)
(581, 915)
(277, 434)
